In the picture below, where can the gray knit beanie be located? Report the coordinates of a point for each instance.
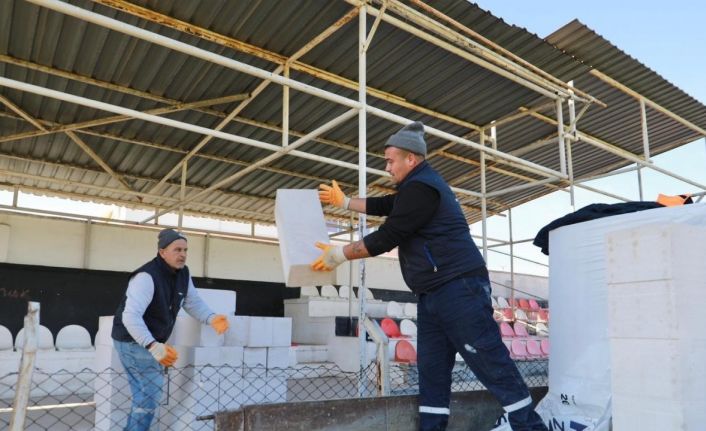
(410, 138)
(168, 236)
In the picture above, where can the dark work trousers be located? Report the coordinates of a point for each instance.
(458, 317)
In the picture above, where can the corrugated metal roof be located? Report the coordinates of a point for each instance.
(33, 39)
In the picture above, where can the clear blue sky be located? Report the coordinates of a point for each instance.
(667, 37)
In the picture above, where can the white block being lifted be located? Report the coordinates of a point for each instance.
(300, 224)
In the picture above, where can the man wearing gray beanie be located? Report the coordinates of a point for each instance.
(442, 265)
(145, 319)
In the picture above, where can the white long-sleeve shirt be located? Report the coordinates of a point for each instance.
(140, 291)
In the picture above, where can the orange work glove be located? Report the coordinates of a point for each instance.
(333, 195)
(219, 323)
(329, 259)
(163, 353)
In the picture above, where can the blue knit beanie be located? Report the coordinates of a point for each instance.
(168, 236)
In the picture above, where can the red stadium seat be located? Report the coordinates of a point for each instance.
(543, 315)
(534, 350)
(544, 345)
(405, 352)
(518, 349)
(390, 327)
(520, 329)
(506, 330)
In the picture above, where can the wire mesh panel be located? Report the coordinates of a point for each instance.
(188, 397)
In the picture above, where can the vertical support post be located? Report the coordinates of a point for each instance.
(15, 196)
(87, 245)
(512, 251)
(182, 193)
(645, 135)
(560, 131)
(206, 253)
(156, 215)
(285, 109)
(350, 277)
(494, 136)
(24, 380)
(639, 181)
(570, 163)
(569, 143)
(362, 185)
(383, 356)
(483, 200)
(645, 144)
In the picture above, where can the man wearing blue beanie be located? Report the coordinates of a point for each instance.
(442, 265)
(145, 319)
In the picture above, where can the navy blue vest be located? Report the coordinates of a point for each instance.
(443, 249)
(170, 288)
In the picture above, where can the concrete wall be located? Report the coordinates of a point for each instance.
(528, 286)
(34, 240)
(475, 410)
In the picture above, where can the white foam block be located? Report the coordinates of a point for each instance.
(250, 331)
(300, 224)
(281, 331)
(345, 352)
(278, 358)
(105, 327)
(238, 332)
(255, 356)
(655, 296)
(219, 301)
(231, 356)
(190, 332)
(254, 362)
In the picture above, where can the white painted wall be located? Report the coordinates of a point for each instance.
(35, 240)
(529, 286)
(4, 241)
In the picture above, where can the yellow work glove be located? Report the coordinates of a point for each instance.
(329, 259)
(333, 195)
(219, 323)
(163, 353)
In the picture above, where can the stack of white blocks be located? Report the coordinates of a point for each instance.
(112, 393)
(243, 366)
(314, 317)
(656, 295)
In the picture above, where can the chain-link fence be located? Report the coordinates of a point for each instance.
(102, 400)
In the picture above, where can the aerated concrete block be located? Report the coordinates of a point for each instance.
(105, 326)
(249, 331)
(281, 331)
(231, 356)
(190, 332)
(254, 362)
(219, 301)
(278, 358)
(300, 224)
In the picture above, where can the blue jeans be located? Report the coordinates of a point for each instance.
(145, 377)
(458, 317)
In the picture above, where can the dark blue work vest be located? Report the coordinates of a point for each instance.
(170, 289)
(443, 249)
